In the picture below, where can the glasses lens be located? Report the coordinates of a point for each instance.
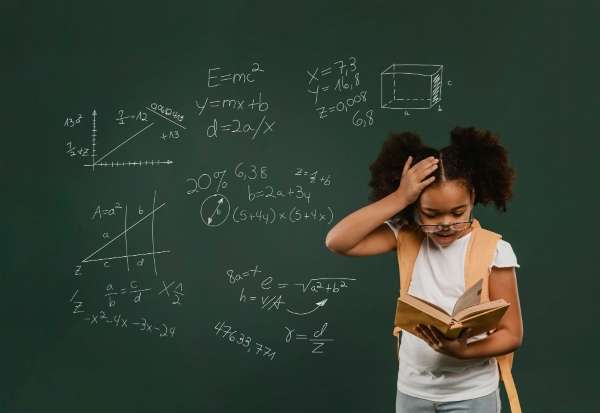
(459, 226)
(430, 228)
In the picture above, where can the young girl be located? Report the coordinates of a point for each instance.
(434, 191)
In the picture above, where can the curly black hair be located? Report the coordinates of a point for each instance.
(475, 157)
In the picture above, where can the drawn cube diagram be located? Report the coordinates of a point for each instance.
(411, 86)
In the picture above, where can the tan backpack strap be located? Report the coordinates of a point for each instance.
(505, 364)
(479, 256)
(407, 249)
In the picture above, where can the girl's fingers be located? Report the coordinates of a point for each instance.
(432, 167)
(424, 167)
(430, 334)
(428, 168)
(427, 181)
(407, 165)
(437, 334)
(423, 336)
(427, 332)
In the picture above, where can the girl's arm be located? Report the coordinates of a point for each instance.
(508, 335)
(363, 231)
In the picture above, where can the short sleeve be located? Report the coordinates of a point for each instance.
(504, 256)
(394, 225)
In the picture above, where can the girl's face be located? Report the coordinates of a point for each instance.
(445, 203)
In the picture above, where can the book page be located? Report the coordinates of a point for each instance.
(473, 311)
(469, 298)
(485, 321)
(430, 304)
(410, 312)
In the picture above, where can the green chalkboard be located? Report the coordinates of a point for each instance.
(171, 171)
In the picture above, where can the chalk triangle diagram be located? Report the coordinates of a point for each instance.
(107, 160)
(96, 256)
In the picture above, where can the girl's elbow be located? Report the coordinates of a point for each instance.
(517, 342)
(520, 340)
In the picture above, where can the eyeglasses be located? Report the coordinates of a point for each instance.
(455, 226)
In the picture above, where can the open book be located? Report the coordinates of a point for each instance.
(468, 312)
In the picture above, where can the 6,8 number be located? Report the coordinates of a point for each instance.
(360, 121)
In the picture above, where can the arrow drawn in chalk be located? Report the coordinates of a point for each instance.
(217, 211)
(319, 304)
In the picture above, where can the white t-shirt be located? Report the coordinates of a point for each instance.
(438, 277)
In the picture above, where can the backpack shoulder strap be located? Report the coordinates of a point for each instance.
(407, 250)
(478, 258)
(505, 366)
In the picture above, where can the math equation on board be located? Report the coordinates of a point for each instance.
(127, 253)
(253, 184)
(138, 294)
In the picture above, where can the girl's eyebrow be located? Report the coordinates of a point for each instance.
(435, 210)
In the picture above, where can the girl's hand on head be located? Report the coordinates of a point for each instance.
(411, 181)
(436, 340)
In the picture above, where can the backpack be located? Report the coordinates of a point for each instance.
(479, 255)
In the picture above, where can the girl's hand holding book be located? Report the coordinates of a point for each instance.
(436, 340)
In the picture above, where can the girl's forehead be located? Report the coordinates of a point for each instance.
(444, 197)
